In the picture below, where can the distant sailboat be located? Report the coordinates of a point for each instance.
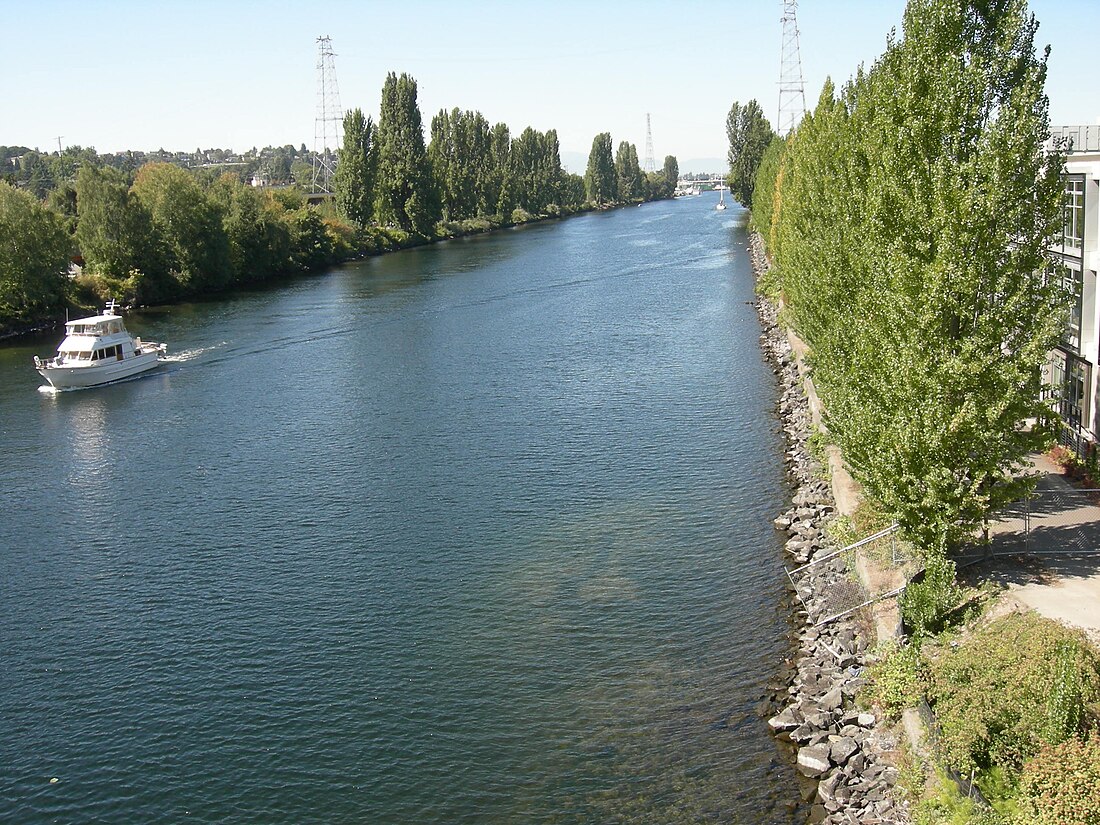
(721, 199)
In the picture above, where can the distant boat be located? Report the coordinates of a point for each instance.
(721, 199)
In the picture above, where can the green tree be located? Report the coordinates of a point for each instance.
(498, 190)
(353, 179)
(628, 174)
(916, 210)
(767, 189)
(34, 257)
(460, 153)
(535, 170)
(256, 228)
(671, 170)
(600, 182)
(115, 236)
(749, 134)
(403, 168)
(190, 225)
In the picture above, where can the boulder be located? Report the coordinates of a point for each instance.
(813, 760)
(841, 749)
(787, 719)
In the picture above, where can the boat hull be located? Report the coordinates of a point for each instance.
(70, 377)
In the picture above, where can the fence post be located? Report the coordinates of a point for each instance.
(1027, 523)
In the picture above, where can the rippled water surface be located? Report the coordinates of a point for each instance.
(474, 533)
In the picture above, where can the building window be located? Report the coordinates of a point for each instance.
(1073, 235)
(1072, 284)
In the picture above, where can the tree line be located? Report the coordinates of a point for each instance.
(157, 232)
(908, 217)
(471, 171)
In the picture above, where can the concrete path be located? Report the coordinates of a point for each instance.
(1059, 577)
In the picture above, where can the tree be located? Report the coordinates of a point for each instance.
(115, 236)
(600, 183)
(535, 170)
(461, 159)
(749, 135)
(628, 174)
(671, 170)
(353, 179)
(34, 257)
(916, 209)
(403, 169)
(254, 225)
(190, 225)
(498, 190)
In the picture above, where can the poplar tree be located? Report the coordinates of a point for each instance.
(671, 170)
(404, 186)
(353, 180)
(600, 184)
(498, 189)
(910, 230)
(628, 173)
(749, 134)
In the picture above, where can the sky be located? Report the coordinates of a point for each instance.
(117, 75)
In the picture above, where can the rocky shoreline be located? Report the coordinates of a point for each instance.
(839, 747)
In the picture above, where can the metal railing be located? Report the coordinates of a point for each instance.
(1076, 138)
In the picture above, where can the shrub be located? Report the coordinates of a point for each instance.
(1015, 685)
(1061, 785)
(896, 681)
(946, 806)
(926, 605)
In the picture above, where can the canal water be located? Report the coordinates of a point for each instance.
(474, 533)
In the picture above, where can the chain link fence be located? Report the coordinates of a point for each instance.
(831, 585)
(1048, 522)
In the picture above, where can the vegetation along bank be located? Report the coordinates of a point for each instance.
(156, 232)
(907, 221)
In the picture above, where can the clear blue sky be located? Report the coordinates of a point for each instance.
(144, 75)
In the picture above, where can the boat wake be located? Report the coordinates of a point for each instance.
(189, 354)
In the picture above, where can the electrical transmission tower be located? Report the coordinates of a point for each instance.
(650, 162)
(330, 118)
(792, 92)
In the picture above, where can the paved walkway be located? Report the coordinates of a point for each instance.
(1060, 575)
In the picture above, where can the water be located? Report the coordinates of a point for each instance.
(474, 533)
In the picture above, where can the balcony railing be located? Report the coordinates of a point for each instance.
(1076, 138)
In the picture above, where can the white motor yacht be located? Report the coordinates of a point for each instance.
(98, 350)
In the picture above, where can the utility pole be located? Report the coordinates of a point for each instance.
(650, 161)
(329, 120)
(792, 92)
(59, 145)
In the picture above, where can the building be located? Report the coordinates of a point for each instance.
(1072, 371)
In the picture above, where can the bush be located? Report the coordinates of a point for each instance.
(1015, 685)
(946, 806)
(926, 605)
(1061, 786)
(896, 681)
